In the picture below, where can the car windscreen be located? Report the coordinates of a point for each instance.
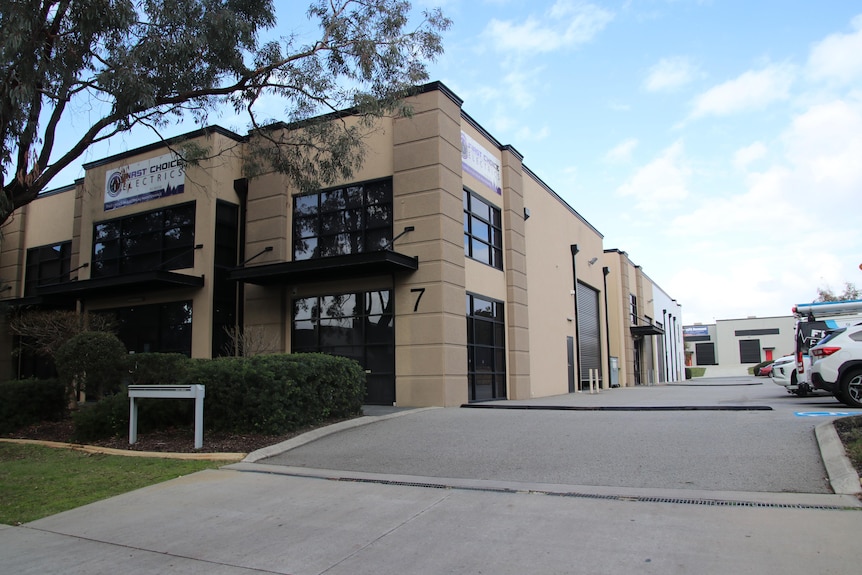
(832, 335)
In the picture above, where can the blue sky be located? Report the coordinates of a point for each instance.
(717, 142)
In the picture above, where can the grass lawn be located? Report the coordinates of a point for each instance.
(37, 481)
(850, 431)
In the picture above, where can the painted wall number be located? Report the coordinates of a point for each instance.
(421, 292)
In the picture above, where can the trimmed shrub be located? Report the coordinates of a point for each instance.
(267, 394)
(93, 361)
(279, 393)
(157, 368)
(28, 401)
(108, 417)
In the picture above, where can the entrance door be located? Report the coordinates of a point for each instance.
(358, 325)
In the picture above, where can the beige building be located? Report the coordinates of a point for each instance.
(645, 330)
(732, 346)
(445, 266)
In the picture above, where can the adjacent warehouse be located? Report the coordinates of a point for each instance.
(731, 346)
(445, 266)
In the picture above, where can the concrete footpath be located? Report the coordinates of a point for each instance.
(260, 517)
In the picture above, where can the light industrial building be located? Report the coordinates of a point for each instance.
(445, 266)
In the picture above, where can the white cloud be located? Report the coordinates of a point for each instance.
(566, 24)
(838, 58)
(661, 183)
(748, 155)
(526, 133)
(669, 74)
(752, 90)
(622, 152)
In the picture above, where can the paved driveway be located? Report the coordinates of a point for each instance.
(724, 435)
(621, 492)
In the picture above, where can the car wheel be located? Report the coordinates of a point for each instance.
(850, 388)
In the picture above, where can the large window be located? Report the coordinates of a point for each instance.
(149, 241)
(358, 325)
(749, 351)
(348, 220)
(486, 349)
(47, 265)
(163, 327)
(483, 231)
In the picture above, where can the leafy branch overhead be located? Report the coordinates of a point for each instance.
(117, 64)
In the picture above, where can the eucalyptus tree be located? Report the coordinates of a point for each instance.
(109, 66)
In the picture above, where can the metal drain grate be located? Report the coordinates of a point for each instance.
(636, 499)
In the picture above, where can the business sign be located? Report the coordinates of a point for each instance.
(694, 330)
(480, 163)
(144, 181)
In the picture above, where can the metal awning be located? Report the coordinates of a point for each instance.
(335, 267)
(644, 330)
(158, 280)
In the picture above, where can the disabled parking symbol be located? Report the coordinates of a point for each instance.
(825, 413)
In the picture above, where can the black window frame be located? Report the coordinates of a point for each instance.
(486, 338)
(159, 239)
(46, 265)
(483, 226)
(165, 335)
(345, 220)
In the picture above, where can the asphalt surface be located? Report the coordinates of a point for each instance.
(575, 484)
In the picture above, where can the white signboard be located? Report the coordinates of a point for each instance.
(480, 163)
(144, 181)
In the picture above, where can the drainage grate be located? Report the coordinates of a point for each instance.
(577, 495)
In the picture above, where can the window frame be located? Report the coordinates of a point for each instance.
(42, 260)
(493, 348)
(166, 236)
(484, 216)
(323, 226)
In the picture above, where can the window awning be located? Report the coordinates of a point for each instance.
(158, 280)
(644, 330)
(335, 267)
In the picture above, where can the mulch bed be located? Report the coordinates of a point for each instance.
(176, 440)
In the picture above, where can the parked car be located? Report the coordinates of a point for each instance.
(756, 370)
(765, 371)
(836, 364)
(784, 372)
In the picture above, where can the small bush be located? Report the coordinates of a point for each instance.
(157, 368)
(93, 361)
(24, 402)
(278, 393)
(267, 394)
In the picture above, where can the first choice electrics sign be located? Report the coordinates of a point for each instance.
(144, 181)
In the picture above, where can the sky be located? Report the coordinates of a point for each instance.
(717, 142)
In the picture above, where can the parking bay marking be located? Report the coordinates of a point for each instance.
(825, 413)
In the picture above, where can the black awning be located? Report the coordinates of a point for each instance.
(335, 267)
(158, 280)
(643, 330)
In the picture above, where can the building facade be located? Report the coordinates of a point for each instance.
(732, 346)
(645, 325)
(445, 266)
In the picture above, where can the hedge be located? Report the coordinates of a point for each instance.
(267, 394)
(28, 401)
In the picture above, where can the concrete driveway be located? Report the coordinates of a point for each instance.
(473, 491)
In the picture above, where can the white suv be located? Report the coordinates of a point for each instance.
(784, 372)
(836, 364)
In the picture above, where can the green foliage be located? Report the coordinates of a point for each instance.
(274, 394)
(267, 394)
(109, 417)
(28, 401)
(93, 361)
(157, 368)
(151, 63)
(851, 292)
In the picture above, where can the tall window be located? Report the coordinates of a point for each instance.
(47, 265)
(348, 220)
(483, 231)
(154, 240)
(633, 300)
(162, 327)
(486, 349)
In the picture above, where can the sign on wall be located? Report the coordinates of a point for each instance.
(480, 163)
(144, 181)
(695, 330)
